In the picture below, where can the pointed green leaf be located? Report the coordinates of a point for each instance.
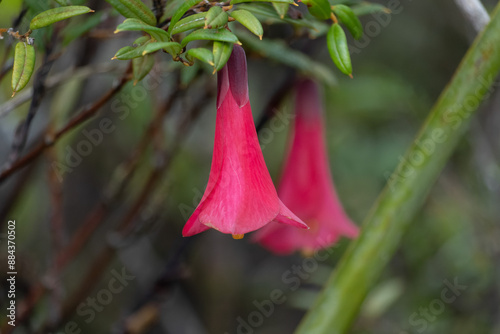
(137, 25)
(351, 21)
(179, 13)
(222, 52)
(24, 64)
(195, 21)
(172, 48)
(278, 51)
(205, 55)
(319, 8)
(248, 20)
(221, 35)
(234, 2)
(281, 9)
(216, 18)
(337, 46)
(142, 66)
(54, 15)
(129, 52)
(135, 9)
(265, 13)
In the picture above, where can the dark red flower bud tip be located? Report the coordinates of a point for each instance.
(237, 75)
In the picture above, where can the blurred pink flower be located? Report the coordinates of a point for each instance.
(306, 186)
(240, 196)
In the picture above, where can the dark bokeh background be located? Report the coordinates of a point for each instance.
(205, 283)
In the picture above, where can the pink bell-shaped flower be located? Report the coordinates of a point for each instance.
(240, 196)
(306, 186)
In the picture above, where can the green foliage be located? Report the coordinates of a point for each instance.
(221, 35)
(248, 20)
(54, 15)
(234, 2)
(24, 64)
(222, 52)
(142, 66)
(319, 8)
(180, 11)
(138, 25)
(281, 9)
(172, 48)
(135, 9)
(215, 18)
(194, 21)
(351, 21)
(202, 54)
(337, 46)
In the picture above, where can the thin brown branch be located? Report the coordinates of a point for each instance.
(55, 81)
(102, 261)
(72, 124)
(98, 214)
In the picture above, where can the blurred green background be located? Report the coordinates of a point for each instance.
(213, 284)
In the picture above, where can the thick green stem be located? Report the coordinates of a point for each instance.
(363, 262)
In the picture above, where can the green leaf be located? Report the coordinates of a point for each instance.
(179, 13)
(281, 9)
(337, 46)
(54, 15)
(267, 14)
(172, 48)
(216, 18)
(137, 25)
(142, 66)
(24, 64)
(202, 54)
(129, 52)
(351, 21)
(135, 9)
(194, 21)
(222, 52)
(234, 2)
(278, 51)
(172, 7)
(366, 8)
(249, 21)
(318, 8)
(221, 35)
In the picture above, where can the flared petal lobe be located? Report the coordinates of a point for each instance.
(240, 196)
(306, 185)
